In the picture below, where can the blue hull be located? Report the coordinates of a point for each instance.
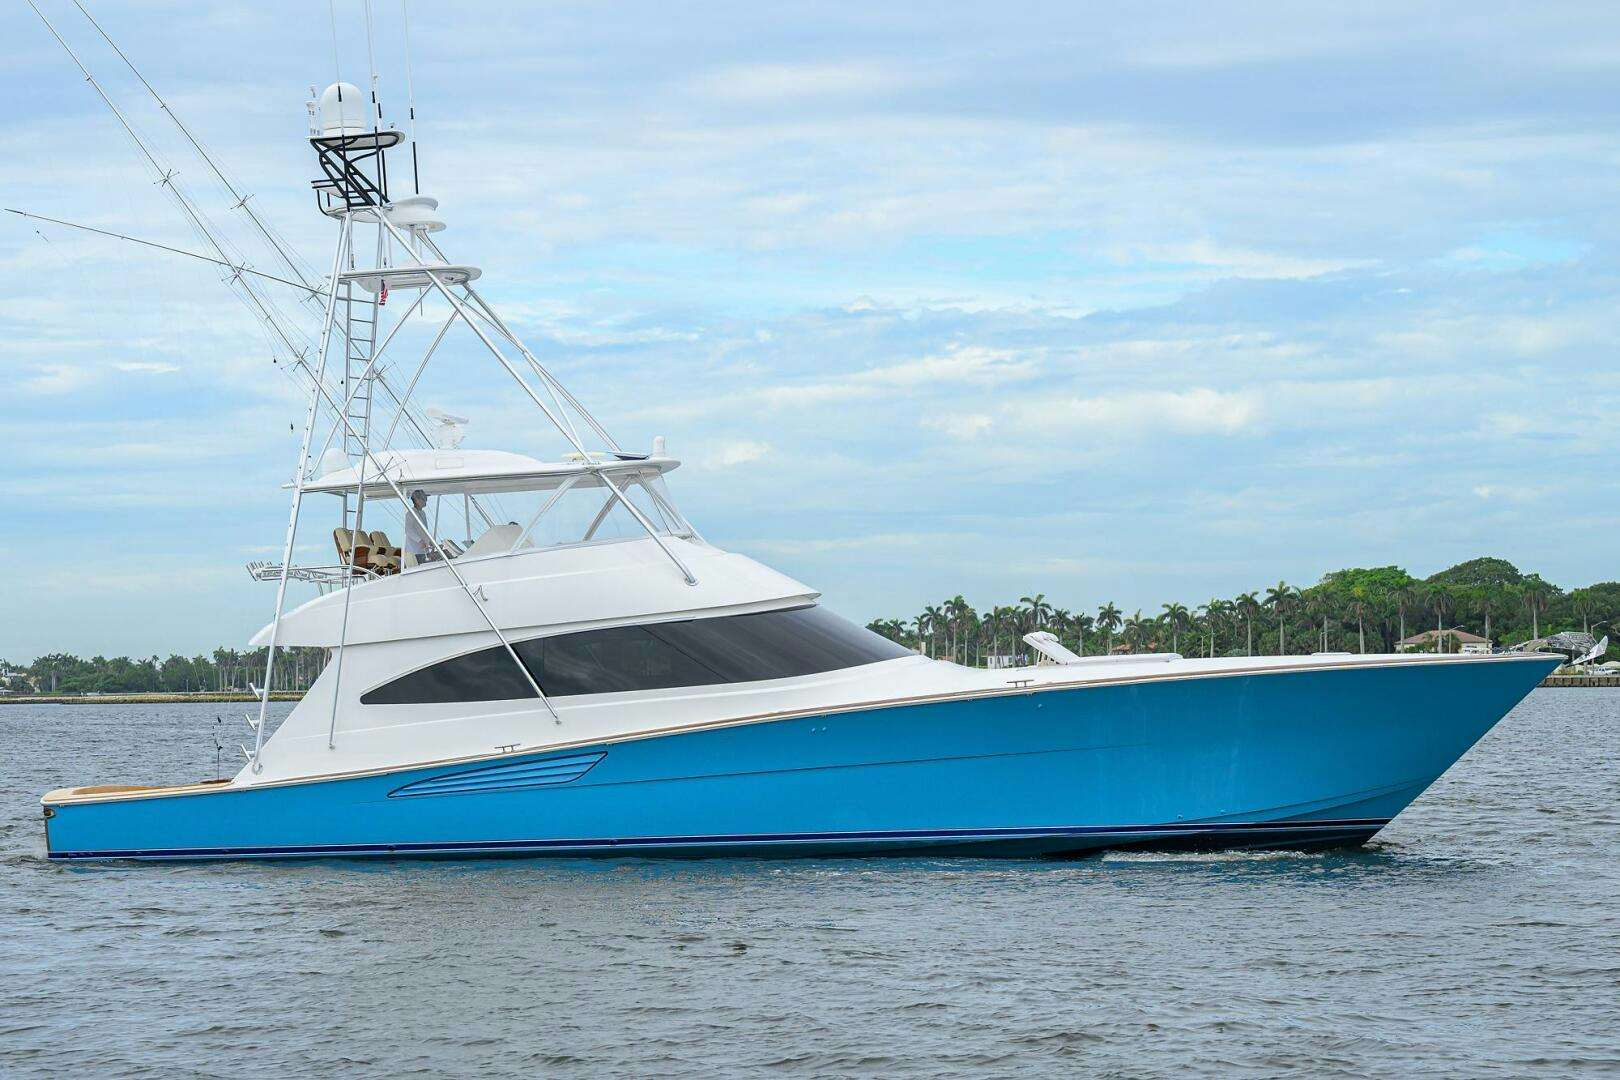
(1279, 759)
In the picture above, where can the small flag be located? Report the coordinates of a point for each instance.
(382, 297)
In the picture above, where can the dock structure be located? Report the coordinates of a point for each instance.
(1581, 680)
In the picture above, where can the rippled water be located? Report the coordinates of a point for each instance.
(1479, 935)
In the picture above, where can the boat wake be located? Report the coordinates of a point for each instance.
(1212, 856)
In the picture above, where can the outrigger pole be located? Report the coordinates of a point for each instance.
(400, 412)
(433, 276)
(470, 307)
(269, 316)
(277, 244)
(166, 178)
(364, 200)
(369, 458)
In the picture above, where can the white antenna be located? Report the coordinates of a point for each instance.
(410, 94)
(337, 67)
(371, 62)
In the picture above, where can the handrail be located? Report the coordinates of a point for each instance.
(337, 574)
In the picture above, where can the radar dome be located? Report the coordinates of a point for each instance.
(343, 111)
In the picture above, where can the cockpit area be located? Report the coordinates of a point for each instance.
(405, 510)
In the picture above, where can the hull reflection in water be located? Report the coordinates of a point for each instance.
(1286, 758)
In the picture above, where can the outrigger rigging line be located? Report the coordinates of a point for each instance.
(281, 329)
(234, 268)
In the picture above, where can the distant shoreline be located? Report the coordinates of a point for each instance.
(142, 699)
(1581, 680)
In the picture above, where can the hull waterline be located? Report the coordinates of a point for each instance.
(1282, 759)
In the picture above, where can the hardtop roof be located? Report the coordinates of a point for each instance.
(475, 472)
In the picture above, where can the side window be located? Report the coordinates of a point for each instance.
(778, 644)
(607, 661)
(488, 675)
(702, 652)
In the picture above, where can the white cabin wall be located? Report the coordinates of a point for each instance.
(586, 585)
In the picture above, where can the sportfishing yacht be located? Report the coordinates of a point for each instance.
(539, 654)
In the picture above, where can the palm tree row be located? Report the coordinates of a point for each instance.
(1359, 610)
(227, 669)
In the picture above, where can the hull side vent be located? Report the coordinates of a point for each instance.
(542, 772)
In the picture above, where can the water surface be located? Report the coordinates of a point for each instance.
(1478, 935)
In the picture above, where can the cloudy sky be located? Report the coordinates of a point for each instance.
(1134, 304)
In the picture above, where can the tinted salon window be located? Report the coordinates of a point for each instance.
(777, 644)
(703, 652)
(606, 661)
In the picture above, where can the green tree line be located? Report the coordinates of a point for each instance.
(1357, 610)
(227, 669)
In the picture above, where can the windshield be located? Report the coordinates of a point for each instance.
(588, 510)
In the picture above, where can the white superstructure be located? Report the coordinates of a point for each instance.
(515, 554)
(498, 549)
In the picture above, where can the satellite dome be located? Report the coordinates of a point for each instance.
(343, 111)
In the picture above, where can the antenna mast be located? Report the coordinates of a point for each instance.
(410, 94)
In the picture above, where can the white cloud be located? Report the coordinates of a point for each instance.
(768, 83)
(1506, 492)
(970, 364)
(886, 542)
(1252, 410)
(1506, 425)
(134, 367)
(947, 371)
(1198, 411)
(736, 452)
(1229, 261)
(959, 425)
(56, 379)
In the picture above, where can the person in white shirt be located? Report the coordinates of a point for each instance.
(418, 540)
